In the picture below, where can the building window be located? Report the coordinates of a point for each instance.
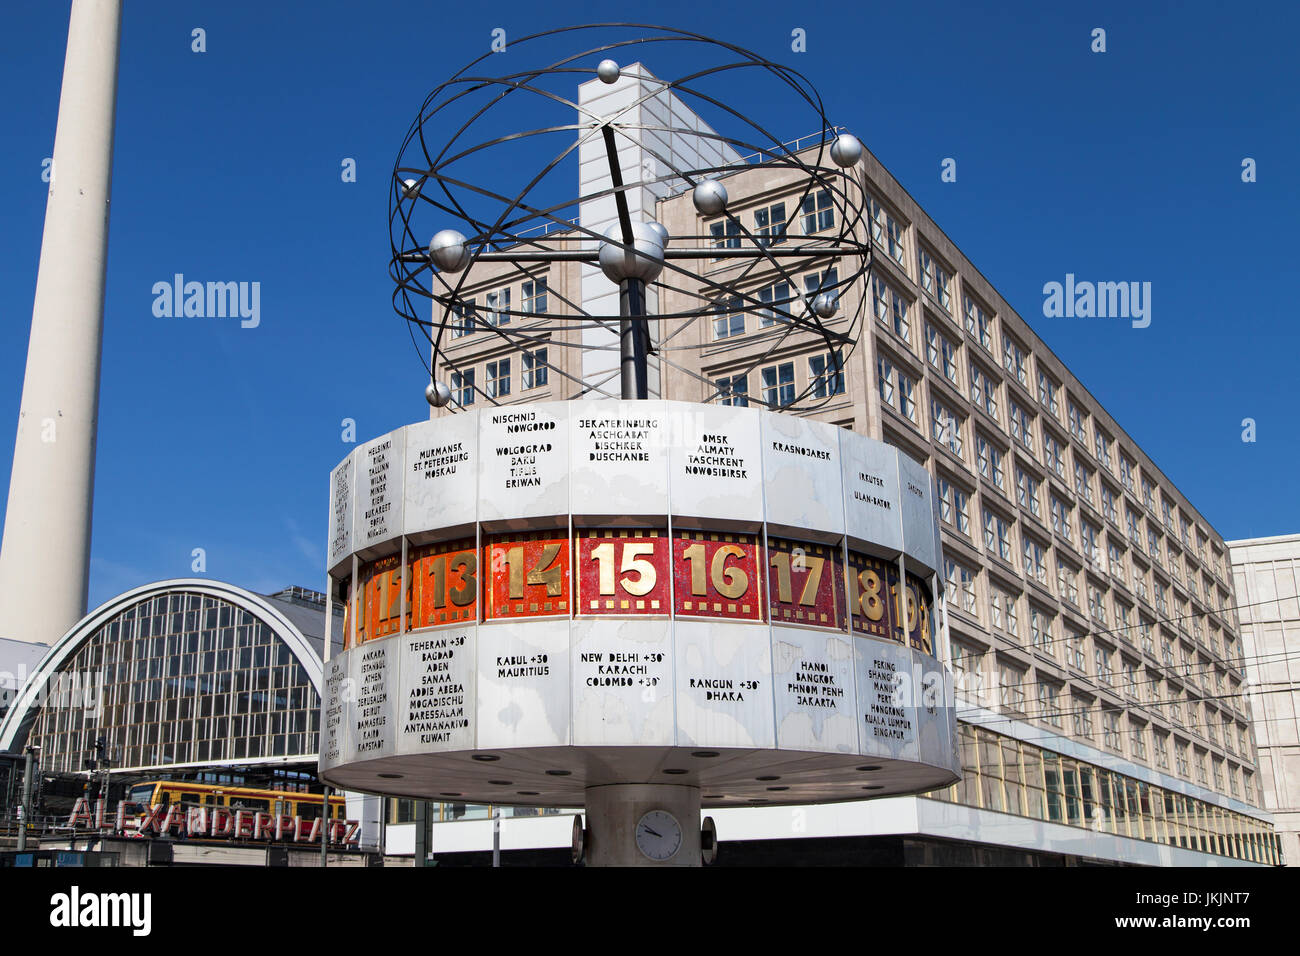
(1035, 559)
(774, 297)
(885, 380)
(989, 460)
(978, 325)
(1022, 427)
(1146, 639)
(1125, 472)
(983, 391)
(726, 234)
(961, 581)
(815, 282)
(534, 296)
(818, 213)
(769, 224)
(890, 308)
(1096, 606)
(1101, 658)
(778, 385)
(1123, 617)
(1082, 719)
(1078, 423)
(1074, 655)
(946, 427)
(1027, 492)
(1049, 702)
(997, 535)
(935, 279)
(1131, 522)
(734, 390)
(535, 369)
(897, 390)
(462, 387)
(827, 374)
(1115, 563)
(1110, 729)
(954, 507)
(1047, 390)
(1012, 687)
(1067, 581)
(1180, 759)
(885, 230)
(967, 671)
(1148, 496)
(498, 378)
(728, 318)
(498, 307)
(1055, 457)
(1160, 744)
(1060, 517)
(463, 324)
(1083, 481)
(1013, 359)
(907, 397)
(941, 353)
(1108, 505)
(1102, 445)
(1088, 539)
(1040, 631)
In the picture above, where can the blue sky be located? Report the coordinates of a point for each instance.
(1117, 166)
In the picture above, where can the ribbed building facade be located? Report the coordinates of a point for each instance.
(1266, 574)
(1094, 628)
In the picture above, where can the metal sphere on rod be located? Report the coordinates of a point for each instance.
(437, 394)
(846, 150)
(449, 250)
(608, 71)
(710, 198)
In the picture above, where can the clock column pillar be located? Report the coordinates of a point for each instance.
(614, 812)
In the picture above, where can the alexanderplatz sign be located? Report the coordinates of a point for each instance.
(209, 823)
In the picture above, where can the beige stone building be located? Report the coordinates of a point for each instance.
(1093, 622)
(1266, 573)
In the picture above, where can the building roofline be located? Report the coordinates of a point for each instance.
(1272, 539)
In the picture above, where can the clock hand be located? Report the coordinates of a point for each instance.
(653, 833)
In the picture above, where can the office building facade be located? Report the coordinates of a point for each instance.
(1094, 632)
(1266, 574)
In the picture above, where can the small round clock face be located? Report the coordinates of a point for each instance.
(658, 835)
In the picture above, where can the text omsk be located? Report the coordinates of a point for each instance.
(219, 823)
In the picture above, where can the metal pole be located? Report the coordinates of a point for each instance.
(633, 338)
(496, 837)
(421, 833)
(325, 828)
(25, 806)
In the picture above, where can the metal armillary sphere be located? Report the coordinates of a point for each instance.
(481, 191)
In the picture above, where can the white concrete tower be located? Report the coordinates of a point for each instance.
(45, 556)
(658, 129)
